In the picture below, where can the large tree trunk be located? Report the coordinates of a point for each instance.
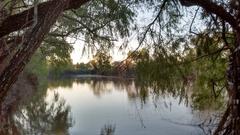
(25, 19)
(234, 88)
(16, 52)
(230, 122)
(31, 41)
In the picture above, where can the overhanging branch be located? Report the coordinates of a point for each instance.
(25, 19)
(212, 7)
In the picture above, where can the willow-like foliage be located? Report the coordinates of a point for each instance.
(198, 74)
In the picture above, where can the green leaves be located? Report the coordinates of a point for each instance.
(201, 69)
(56, 50)
(98, 23)
(101, 63)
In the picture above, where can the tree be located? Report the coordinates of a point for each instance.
(220, 17)
(139, 55)
(48, 12)
(104, 16)
(102, 62)
(228, 12)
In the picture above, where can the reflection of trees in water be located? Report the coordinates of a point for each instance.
(102, 86)
(43, 118)
(39, 117)
(65, 83)
(99, 85)
(182, 90)
(201, 99)
(144, 92)
(108, 130)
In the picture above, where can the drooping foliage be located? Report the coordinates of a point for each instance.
(168, 34)
(101, 63)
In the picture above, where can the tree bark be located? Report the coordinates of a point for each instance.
(25, 19)
(31, 41)
(230, 122)
(234, 83)
(213, 8)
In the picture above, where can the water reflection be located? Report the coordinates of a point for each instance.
(108, 130)
(84, 106)
(149, 110)
(200, 100)
(38, 117)
(100, 86)
(41, 117)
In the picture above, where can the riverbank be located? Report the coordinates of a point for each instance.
(97, 76)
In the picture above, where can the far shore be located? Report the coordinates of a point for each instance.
(97, 76)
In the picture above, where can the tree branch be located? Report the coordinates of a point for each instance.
(190, 29)
(25, 19)
(212, 7)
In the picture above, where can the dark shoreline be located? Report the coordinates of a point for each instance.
(96, 76)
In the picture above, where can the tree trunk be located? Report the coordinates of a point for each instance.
(31, 41)
(234, 87)
(230, 123)
(21, 48)
(25, 19)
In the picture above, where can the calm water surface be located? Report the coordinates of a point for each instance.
(107, 106)
(99, 105)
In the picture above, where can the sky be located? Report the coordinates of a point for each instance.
(144, 17)
(117, 55)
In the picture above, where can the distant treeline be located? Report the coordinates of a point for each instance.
(109, 69)
(101, 64)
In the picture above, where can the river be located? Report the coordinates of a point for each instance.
(108, 106)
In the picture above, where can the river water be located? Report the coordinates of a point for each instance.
(107, 106)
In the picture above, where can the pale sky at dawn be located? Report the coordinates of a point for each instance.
(117, 55)
(143, 18)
